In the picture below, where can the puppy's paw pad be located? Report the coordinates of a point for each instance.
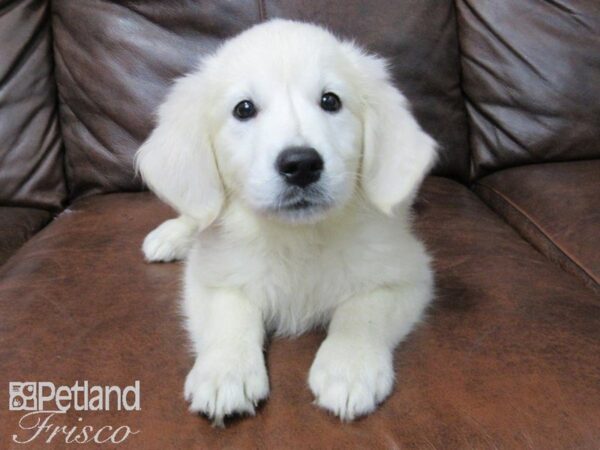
(219, 389)
(350, 382)
(170, 241)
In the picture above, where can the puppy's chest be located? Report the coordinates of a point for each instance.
(298, 278)
(296, 284)
(301, 275)
(299, 290)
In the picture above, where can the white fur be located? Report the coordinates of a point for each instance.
(350, 263)
(170, 241)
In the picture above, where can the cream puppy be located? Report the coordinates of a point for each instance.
(293, 162)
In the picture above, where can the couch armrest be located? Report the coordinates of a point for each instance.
(17, 225)
(556, 207)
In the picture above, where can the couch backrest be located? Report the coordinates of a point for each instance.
(115, 61)
(531, 75)
(31, 153)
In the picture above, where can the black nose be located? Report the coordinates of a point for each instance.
(299, 166)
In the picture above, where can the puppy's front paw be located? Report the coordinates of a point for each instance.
(350, 379)
(225, 383)
(170, 241)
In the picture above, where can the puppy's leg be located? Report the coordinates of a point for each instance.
(353, 371)
(229, 375)
(171, 240)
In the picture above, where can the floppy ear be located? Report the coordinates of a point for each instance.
(397, 153)
(177, 160)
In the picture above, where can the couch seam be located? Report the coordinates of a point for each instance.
(261, 10)
(464, 97)
(540, 230)
(65, 163)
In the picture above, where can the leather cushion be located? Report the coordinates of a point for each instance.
(531, 74)
(17, 225)
(115, 62)
(556, 206)
(508, 356)
(31, 154)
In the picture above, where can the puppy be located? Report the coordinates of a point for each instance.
(293, 162)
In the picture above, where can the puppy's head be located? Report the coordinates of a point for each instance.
(290, 121)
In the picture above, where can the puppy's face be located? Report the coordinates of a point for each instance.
(287, 136)
(292, 122)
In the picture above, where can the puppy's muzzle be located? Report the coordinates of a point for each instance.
(299, 166)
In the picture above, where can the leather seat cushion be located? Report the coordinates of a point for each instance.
(507, 357)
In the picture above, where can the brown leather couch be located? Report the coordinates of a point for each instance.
(509, 356)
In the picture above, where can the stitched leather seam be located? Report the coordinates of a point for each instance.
(460, 67)
(540, 230)
(262, 13)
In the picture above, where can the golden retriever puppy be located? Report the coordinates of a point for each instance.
(293, 162)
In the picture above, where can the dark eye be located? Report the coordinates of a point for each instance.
(331, 102)
(244, 110)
